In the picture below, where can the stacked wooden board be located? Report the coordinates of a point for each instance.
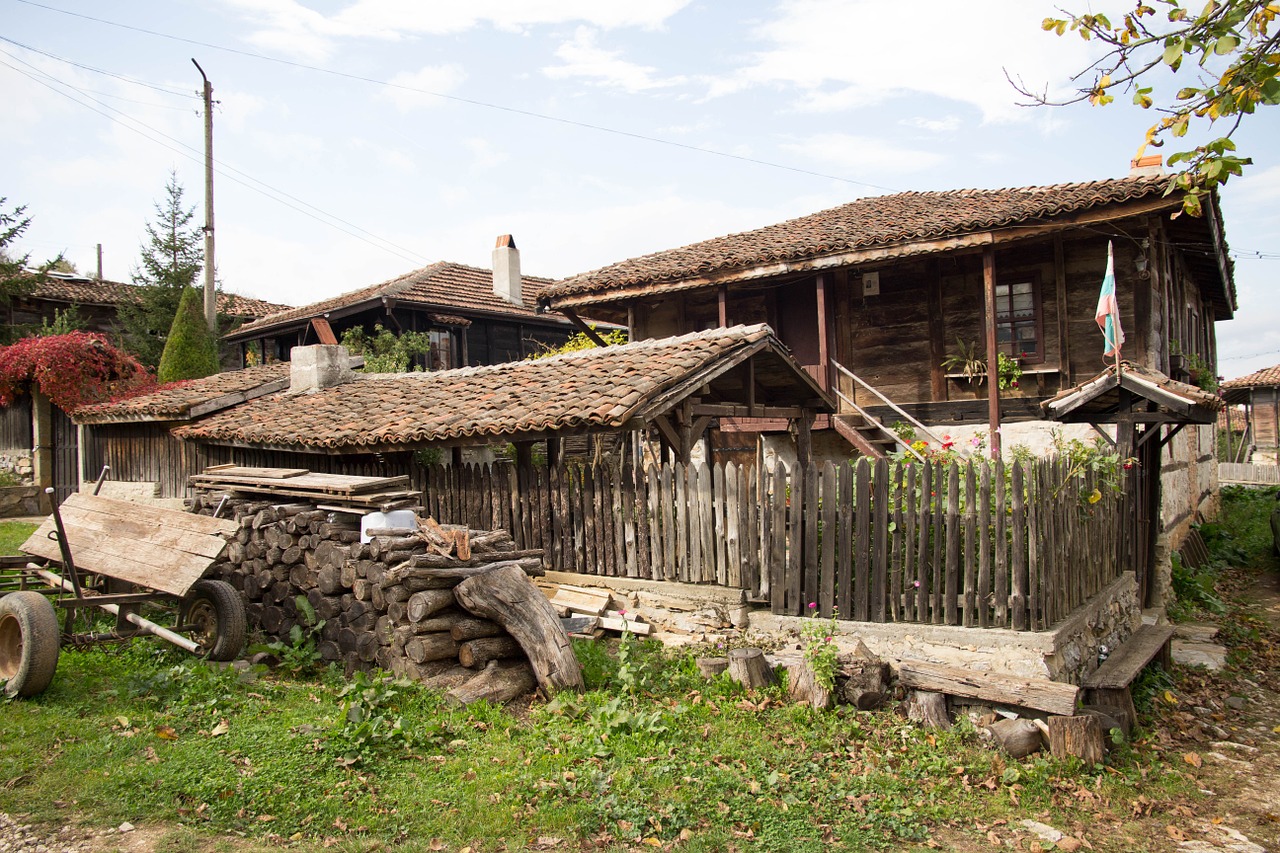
(327, 491)
(587, 612)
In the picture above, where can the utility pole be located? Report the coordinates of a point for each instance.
(210, 304)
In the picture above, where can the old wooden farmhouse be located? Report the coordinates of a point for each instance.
(473, 316)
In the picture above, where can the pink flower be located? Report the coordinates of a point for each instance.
(916, 584)
(975, 441)
(622, 612)
(813, 605)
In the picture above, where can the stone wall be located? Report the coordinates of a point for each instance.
(19, 501)
(20, 464)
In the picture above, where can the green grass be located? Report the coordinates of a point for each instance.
(652, 751)
(13, 534)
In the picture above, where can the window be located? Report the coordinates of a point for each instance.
(1018, 327)
(441, 349)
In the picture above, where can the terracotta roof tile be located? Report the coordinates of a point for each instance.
(175, 402)
(1267, 377)
(442, 284)
(863, 224)
(600, 387)
(79, 290)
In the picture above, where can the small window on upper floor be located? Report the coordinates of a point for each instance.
(1019, 326)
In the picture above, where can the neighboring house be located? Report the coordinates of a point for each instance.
(97, 302)
(873, 296)
(1259, 393)
(473, 316)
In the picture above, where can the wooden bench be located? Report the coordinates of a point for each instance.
(1109, 685)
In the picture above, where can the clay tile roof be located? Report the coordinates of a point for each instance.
(442, 284)
(1096, 399)
(867, 223)
(79, 290)
(602, 388)
(184, 400)
(1267, 377)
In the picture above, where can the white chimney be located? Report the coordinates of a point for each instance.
(317, 367)
(506, 270)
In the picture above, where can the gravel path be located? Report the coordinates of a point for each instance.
(15, 836)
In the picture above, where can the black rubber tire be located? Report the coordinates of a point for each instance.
(29, 639)
(217, 611)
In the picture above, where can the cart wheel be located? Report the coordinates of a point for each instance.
(215, 610)
(29, 637)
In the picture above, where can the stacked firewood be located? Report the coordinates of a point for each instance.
(413, 600)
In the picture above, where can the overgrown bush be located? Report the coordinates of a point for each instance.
(191, 350)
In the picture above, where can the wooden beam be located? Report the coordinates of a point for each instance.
(1064, 314)
(937, 336)
(734, 410)
(663, 423)
(993, 358)
(722, 305)
(824, 350)
(583, 327)
(1053, 696)
(804, 439)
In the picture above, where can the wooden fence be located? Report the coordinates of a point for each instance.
(986, 546)
(1257, 475)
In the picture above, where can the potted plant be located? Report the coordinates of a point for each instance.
(972, 367)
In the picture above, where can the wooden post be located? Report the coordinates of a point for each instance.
(1064, 316)
(993, 357)
(42, 446)
(722, 299)
(804, 438)
(937, 343)
(824, 351)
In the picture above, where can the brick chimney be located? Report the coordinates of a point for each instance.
(506, 270)
(1145, 167)
(317, 367)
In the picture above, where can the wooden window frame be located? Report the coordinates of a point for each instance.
(1037, 291)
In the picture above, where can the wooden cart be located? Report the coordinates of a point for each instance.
(115, 556)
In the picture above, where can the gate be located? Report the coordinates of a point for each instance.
(66, 455)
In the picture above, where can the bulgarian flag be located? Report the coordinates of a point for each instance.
(1108, 313)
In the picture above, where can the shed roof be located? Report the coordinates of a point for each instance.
(1098, 400)
(190, 398)
(451, 286)
(81, 290)
(1237, 390)
(889, 226)
(607, 388)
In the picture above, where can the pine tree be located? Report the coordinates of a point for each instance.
(190, 349)
(171, 261)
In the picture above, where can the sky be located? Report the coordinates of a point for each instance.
(357, 140)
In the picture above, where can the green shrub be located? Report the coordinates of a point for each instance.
(191, 350)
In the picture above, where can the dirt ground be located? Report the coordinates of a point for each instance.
(1221, 730)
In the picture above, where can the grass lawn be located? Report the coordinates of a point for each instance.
(13, 534)
(652, 756)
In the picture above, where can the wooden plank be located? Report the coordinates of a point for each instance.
(809, 584)
(1035, 541)
(143, 563)
(826, 598)
(984, 550)
(680, 511)
(862, 540)
(670, 537)
(1120, 669)
(1019, 554)
(968, 561)
(1001, 550)
(937, 583)
(718, 491)
(778, 540)
(735, 485)
(706, 523)
(148, 530)
(897, 541)
(844, 547)
(795, 543)
(924, 549)
(880, 540)
(909, 506)
(951, 579)
(1041, 694)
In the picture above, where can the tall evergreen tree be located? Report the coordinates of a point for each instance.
(17, 278)
(190, 349)
(171, 260)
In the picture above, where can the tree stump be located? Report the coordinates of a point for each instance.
(803, 686)
(862, 682)
(710, 667)
(1079, 736)
(749, 668)
(508, 597)
(1019, 738)
(928, 708)
(500, 681)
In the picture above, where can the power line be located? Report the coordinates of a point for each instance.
(1251, 355)
(468, 101)
(156, 86)
(385, 245)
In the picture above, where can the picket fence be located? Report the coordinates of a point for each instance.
(975, 544)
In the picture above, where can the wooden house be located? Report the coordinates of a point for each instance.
(473, 316)
(874, 296)
(1258, 426)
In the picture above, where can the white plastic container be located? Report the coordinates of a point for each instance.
(397, 518)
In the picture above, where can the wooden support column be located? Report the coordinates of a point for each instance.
(804, 439)
(685, 447)
(553, 451)
(722, 305)
(42, 445)
(1064, 312)
(824, 346)
(524, 464)
(937, 334)
(993, 358)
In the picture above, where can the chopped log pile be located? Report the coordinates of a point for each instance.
(451, 607)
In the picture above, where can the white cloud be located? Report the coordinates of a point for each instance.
(948, 124)
(582, 57)
(863, 155)
(485, 155)
(409, 90)
(392, 158)
(289, 27)
(840, 54)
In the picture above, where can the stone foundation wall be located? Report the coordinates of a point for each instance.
(20, 464)
(20, 500)
(1068, 652)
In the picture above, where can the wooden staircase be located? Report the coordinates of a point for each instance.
(870, 439)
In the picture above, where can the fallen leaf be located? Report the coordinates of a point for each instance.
(166, 733)
(1175, 833)
(436, 844)
(1069, 844)
(1194, 759)
(266, 818)
(652, 842)
(220, 729)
